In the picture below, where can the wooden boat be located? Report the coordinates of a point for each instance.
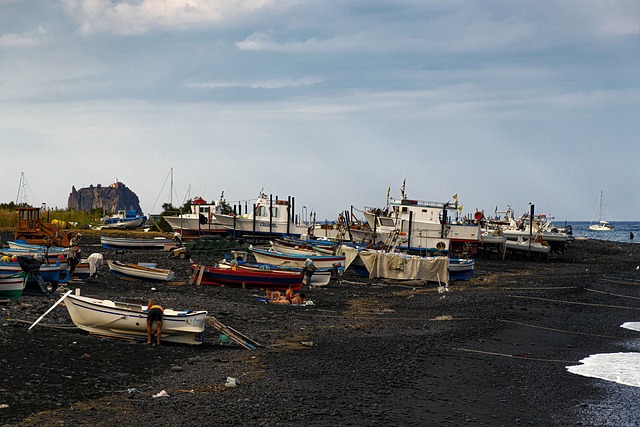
(125, 320)
(320, 277)
(134, 243)
(248, 278)
(49, 272)
(141, 272)
(461, 269)
(15, 244)
(265, 256)
(123, 219)
(12, 285)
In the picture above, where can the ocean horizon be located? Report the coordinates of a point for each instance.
(621, 232)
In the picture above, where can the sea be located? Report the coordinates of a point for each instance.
(621, 232)
(620, 370)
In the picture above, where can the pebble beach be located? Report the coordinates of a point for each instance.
(492, 351)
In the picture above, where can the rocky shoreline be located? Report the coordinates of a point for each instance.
(492, 351)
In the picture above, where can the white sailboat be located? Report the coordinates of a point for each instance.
(602, 224)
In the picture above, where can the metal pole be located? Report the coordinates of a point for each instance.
(409, 231)
(270, 216)
(531, 226)
(254, 223)
(288, 214)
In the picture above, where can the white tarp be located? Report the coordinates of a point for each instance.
(405, 267)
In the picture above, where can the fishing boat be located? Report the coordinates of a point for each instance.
(22, 245)
(123, 219)
(602, 224)
(320, 277)
(108, 242)
(141, 272)
(266, 256)
(125, 320)
(200, 221)
(461, 269)
(49, 272)
(227, 275)
(12, 285)
(268, 218)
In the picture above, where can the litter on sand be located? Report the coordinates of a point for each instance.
(231, 382)
(163, 393)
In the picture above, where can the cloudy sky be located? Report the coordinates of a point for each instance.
(500, 102)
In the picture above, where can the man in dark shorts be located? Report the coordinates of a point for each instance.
(154, 314)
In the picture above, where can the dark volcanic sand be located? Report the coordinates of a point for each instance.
(492, 352)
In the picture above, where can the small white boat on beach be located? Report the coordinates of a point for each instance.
(265, 256)
(124, 320)
(123, 219)
(141, 272)
(108, 242)
(522, 245)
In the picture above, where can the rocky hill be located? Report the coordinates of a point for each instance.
(111, 199)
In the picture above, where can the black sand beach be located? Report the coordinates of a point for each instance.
(493, 351)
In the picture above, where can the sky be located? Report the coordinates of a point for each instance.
(332, 102)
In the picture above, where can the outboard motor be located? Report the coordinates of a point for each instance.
(31, 266)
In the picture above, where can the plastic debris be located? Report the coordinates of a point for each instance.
(231, 382)
(163, 393)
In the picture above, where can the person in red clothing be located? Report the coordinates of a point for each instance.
(154, 314)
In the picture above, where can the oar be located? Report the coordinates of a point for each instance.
(52, 307)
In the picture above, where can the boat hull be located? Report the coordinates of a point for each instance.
(123, 320)
(132, 243)
(12, 286)
(245, 278)
(191, 226)
(140, 272)
(276, 258)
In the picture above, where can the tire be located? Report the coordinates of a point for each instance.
(182, 256)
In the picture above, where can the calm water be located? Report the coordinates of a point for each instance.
(620, 234)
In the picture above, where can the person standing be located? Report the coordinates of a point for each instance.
(154, 314)
(631, 236)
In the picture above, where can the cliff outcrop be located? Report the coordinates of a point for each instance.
(111, 199)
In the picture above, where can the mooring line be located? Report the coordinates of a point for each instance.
(609, 293)
(514, 356)
(556, 330)
(574, 302)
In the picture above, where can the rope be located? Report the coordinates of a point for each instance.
(555, 330)
(609, 293)
(44, 325)
(513, 356)
(575, 303)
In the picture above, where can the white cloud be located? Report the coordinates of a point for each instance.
(262, 84)
(34, 38)
(137, 17)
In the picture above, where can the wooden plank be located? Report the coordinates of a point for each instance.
(235, 337)
(192, 278)
(200, 275)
